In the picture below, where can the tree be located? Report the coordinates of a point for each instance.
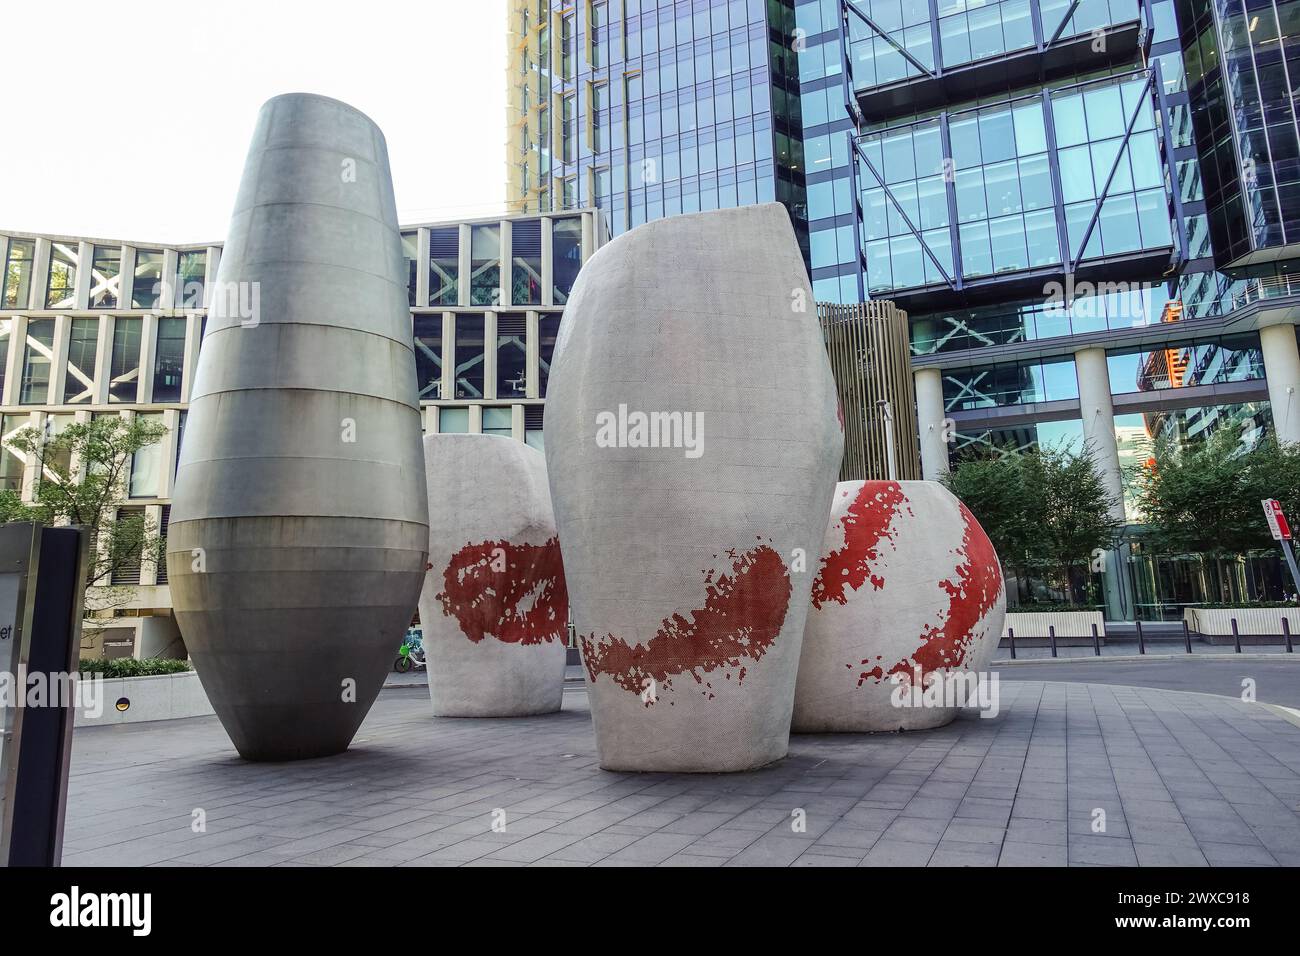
(991, 485)
(1072, 511)
(81, 478)
(1045, 510)
(1200, 498)
(1205, 498)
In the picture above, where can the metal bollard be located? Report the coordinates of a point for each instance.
(1142, 644)
(1236, 637)
(1051, 636)
(1286, 632)
(1187, 636)
(1096, 642)
(1011, 639)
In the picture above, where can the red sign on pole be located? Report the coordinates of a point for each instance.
(1276, 519)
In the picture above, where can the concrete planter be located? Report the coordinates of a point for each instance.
(909, 592)
(1067, 623)
(1266, 621)
(689, 555)
(161, 697)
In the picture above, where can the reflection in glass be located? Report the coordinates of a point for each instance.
(444, 266)
(498, 421)
(146, 289)
(512, 356)
(1064, 435)
(1010, 383)
(105, 277)
(124, 371)
(6, 336)
(453, 421)
(1138, 433)
(428, 356)
(566, 256)
(526, 258)
(469, 356)
(548, 327)
(11, 462)
(37, 362)
(58, 459)
(169, 360)
(191, 274)
(485, 265)
(83, 347)
(1229, 358)
(18, 273)
(146, 464)
(410, 252)
(60, 289)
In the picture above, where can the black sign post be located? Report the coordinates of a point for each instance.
(42, 585)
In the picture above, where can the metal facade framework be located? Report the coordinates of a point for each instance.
(1071, 257)
(868, 347)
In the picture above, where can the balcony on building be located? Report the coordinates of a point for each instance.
(910, 57)
(990, 203)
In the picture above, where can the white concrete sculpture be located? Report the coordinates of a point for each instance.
(494, 608)
(907, 609)
(692, 446)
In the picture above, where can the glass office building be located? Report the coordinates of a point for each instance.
(1088, 208)
(648, 109)
(90, 328)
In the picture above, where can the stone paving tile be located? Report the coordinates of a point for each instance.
(899, 853)
(1032, 854)
(1184, 779)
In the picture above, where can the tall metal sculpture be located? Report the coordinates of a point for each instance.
(299, 523)
(692, 445)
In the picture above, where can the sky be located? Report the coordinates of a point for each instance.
(131, 120)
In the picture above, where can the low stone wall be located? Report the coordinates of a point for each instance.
(1250, 620)
(162, 697)
(1067, 623)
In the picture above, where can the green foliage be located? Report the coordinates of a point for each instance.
(1205, 498)
(991, 486)
(83, 473)
(129, 667)
(1072, 509)
(1046, 510)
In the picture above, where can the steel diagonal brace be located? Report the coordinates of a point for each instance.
(1064, 20)
(853, 8)
(1105, 190)
(908, 222)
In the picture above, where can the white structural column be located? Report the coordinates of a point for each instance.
(929, 420)
(1098, 412)
(1099, 420)
(1282, 369)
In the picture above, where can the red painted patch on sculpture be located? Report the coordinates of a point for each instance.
(512, 592)
(742, 617)
(865, 523)
(972, 591)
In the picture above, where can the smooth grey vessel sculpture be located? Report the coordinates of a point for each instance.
(692, 446)
(299, 524)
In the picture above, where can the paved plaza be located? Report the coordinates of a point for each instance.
(1182, 779)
